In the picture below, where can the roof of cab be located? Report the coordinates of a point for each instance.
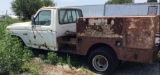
(59, 8)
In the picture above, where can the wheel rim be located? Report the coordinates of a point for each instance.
(100, 63)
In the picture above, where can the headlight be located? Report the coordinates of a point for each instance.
(8, 28)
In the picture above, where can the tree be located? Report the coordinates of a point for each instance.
(119, 1)
(26, 8)
(151, 1)
(48, 3)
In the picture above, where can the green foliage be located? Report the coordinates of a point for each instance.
(41, 56)
(62, 58)
(151, 1)
(27, 8)
(158, 57)
(48, 3)
(12, 54)
(52, 58)
(119, 1)
(69, 61)
(31, 68)
(34, 70)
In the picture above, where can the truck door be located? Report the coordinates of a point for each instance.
(42, 33)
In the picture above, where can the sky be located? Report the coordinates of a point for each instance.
(5, 5)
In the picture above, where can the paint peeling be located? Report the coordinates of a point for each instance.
(139, 33)
(43, 45)
(136, 32)
(101, 27)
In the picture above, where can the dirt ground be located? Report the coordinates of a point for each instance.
(48, 69)
(128, 68)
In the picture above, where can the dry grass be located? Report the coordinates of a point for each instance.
(48, 69)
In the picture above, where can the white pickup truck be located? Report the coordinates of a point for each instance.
(48, 24)
(104, 40)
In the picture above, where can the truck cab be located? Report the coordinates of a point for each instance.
(47, 24)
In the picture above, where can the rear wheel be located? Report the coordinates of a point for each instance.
(102, 61)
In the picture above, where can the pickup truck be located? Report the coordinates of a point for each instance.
(103, 40)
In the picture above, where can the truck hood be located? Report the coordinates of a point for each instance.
(19, 26)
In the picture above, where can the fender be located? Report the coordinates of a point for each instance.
(22, 34)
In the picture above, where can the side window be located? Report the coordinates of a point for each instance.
(43, 18)
(74, 15)
(79, 13)
(69, 15)
(152, 10)
(63, 18)
(70, 19)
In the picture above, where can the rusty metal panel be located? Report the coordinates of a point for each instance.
(136, 31)
(136, 55)
(86, 42)
(100, 27)
(157, 24)
(139, 32)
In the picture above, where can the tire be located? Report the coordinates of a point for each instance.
(102, 61)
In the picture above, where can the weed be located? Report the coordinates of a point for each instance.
(34, 70)
(69, 61)
(32, 66)
(52, 58)
(12, 55)
(42, 56)
(158, 57)
(60, 60)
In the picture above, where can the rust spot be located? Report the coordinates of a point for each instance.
(34, 36)
(35, 44)
(29, 41)
(139, 32)
(44, 45)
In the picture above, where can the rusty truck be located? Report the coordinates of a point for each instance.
(104, 40)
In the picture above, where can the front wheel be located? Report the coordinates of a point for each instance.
(102, 61)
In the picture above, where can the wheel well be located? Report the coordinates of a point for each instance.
(98, 45)
(20, 39)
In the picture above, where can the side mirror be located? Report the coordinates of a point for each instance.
(33, 20)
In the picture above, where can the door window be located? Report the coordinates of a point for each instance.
(43, 18)
(69, 15)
